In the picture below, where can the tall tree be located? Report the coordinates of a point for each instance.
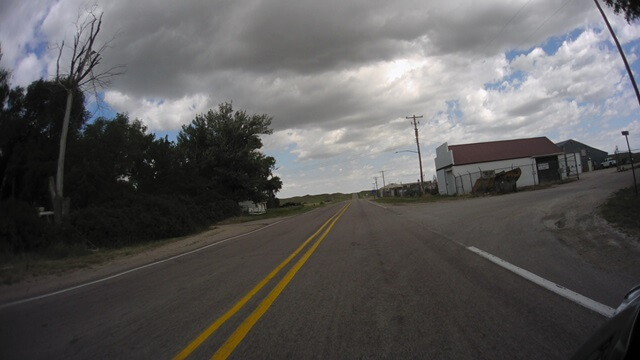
(630, 8)
(82, 72)
(11, 106)
(100, 175)
(221, 148)
(30, 126)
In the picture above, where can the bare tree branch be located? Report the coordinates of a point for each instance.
(86, 56)
(60, 48)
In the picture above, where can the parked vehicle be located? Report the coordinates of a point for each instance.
(608, 162)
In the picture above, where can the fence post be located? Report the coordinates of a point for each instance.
(455, 182)
(446, 185)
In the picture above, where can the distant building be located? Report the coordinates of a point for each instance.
(458, 167)
(591, 158)
(623, 157)
(406, 190)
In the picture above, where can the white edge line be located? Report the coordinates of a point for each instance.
(551, 286)
(18, 302)
(376, 204)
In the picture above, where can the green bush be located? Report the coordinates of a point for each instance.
(127, 220)
(138, 218)
(21, 228)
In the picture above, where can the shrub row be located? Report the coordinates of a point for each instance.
(20, 227)
(125, 221)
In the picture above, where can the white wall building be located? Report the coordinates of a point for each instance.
(253, 208)
(458, 167)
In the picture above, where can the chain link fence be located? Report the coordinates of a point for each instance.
(509, 179)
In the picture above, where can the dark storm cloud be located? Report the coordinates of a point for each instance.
(163, 46)
(484, 28)
(339, 76)
(316, 36)
(298, 60)
(178, 47)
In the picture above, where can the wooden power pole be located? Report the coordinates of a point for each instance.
(415, 126)
(624, 58)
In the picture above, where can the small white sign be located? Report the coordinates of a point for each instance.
(543, 166)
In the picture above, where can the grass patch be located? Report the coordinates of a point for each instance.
(50, 261)
(623, 211)
(62, 258)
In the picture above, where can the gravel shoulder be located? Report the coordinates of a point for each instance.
(43, 284)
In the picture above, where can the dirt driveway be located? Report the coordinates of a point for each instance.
(555, 233)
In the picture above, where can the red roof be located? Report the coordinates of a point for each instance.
(503, 150)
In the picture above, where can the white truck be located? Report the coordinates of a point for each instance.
(608, 162)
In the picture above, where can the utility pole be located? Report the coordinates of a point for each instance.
(635, 184)
(376, 179)
(383, 183)
(415, 126)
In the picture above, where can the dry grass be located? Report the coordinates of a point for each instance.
(623, 211)
(62, 258)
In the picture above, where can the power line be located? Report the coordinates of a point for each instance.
(545, 22)
(507, 23)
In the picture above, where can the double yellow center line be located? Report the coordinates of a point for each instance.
(227, 348)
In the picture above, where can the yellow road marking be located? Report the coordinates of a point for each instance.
(227, 348)
(221, 320)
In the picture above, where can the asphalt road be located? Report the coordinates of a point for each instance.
(378, 282)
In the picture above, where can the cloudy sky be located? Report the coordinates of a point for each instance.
(340, 77)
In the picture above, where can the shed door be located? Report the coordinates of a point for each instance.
(548, 169)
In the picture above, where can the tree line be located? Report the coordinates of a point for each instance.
(124, 184)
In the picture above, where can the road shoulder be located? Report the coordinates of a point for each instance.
(42, 284)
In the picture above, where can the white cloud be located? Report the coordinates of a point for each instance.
(19, 25)
(339, 89)
(159, 114)
(27, 70)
